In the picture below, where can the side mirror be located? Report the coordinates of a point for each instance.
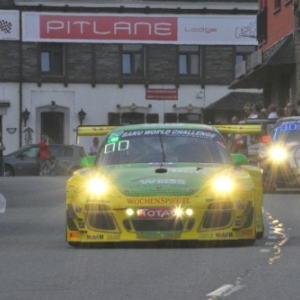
(239, 159)
(87, 161)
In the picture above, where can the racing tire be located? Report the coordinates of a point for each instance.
(8, 171)
(76, 244)
(260, 234)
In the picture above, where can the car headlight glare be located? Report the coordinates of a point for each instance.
(223, 184)
(97, 186)
(189, 212)
(129, 212)
(178, 212)
(278, 154)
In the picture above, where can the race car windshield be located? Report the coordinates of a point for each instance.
(163, 146)
(287, 132)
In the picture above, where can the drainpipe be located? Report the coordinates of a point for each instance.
(20, 78)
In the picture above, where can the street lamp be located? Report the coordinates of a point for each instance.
(81, 115)
(25, 116)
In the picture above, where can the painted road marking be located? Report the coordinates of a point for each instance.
(269, 243)
(264, 250)
(221, 290)
(2, 203)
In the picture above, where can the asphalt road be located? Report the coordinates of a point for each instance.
(37, 263)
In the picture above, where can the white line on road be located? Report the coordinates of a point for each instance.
(269, 243)
(2, 203)
(264, 250)
(221, 290)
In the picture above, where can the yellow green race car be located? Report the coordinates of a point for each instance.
(153, 182)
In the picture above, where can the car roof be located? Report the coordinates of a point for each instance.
(292, 118)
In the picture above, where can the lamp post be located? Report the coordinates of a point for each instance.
(81, 115)
(25, 116)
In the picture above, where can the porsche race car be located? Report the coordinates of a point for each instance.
(154, 182)
(279, 156)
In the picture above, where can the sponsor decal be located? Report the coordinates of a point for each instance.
(71, 189)
(156, 213)
(206, 235)
(224, 234)
(158, 235)
(113, 237)
(247, 232)
(73, 235)
(94, 237)
(145, 201)
(163, 181)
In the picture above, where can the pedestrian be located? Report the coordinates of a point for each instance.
(290, 109)
(94, 146)
(253, 112)
(280, 112)
(44, 156)
(2, 148)
(272, 110)
(247, 110)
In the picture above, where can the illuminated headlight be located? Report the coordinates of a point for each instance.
(97, 186)
(129, 212)
(223, 184)
(189, 212)
(278, 154)
(178, 212)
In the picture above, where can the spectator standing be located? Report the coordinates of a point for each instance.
(253, 112)
(291, 110)
(272, 110)
(94, 146)
(44, 155)
(247, 111)
(280, 112)
(2, 148)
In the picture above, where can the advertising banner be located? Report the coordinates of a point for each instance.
(9, 25)
(170, 29)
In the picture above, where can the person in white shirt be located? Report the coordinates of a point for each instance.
(94, 146)
(272, 112)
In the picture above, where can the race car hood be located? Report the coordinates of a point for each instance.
(152, 180)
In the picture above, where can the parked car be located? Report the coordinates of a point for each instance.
(153, 182)
(24, 161)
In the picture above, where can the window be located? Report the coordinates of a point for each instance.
(189, 60)
(241, 53)
(52, 59)
(277, 5)
(133, 60)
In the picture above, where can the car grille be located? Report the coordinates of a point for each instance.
(172, 224)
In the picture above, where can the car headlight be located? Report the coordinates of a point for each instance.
(97, 186)
(223, 184)
(278, 154)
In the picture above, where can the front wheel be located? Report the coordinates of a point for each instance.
(260, 234)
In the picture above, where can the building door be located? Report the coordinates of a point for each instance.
(52, 124)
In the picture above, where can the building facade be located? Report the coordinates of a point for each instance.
(273, 66)
(116, 62)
